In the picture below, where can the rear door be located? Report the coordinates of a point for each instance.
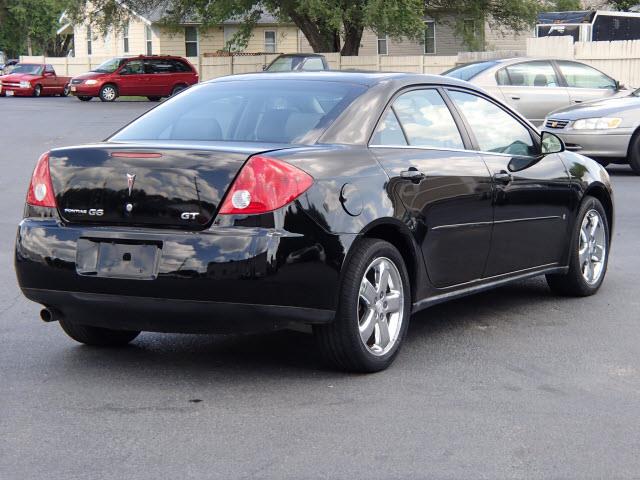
(445, 188)
(531, 194)
(585, 83)
(533, 88)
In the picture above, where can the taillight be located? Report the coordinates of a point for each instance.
(265, 184)
(40, 192)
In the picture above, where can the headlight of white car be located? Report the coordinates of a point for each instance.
(601, 123)
(25, 85)
(91, 82)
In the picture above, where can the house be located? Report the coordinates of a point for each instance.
(144, 34)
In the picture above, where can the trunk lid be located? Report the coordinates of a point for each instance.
(160, 186)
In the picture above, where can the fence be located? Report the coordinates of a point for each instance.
(619, 59)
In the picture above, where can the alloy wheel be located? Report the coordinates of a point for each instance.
(380, 306)
(592, 247)
(109, 93)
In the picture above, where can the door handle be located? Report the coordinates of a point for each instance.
(577, 101)
(515, 97)
(502, 177)
(413, 175)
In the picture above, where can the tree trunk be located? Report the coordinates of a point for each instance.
(352, 39)
(322, 38)
(29, 49)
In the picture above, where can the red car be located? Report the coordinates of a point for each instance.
(153, 77)
(33, 80)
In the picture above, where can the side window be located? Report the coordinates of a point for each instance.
(528, 74)
(579, 75)
(313, 64)
(389, 131)
(49, 69)
(426, 120)
(133, 67)
(179, 66)
(495, 130)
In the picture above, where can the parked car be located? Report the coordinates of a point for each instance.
(294, 62)
(606, 130)
(8, 66)
(345, 201)
(150, 76)
(537, 87)
(33, 80)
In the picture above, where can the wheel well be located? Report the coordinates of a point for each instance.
(633, 138)
(599, 192)
(393, 235)
(109, 84)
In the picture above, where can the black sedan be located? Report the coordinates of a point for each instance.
(343, 201)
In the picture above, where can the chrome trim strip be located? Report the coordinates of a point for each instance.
(482, 284)
(480, 224)
(416, 147)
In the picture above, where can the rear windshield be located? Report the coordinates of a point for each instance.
(467, 72)
(280, 111)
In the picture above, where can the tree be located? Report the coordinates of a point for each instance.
(29, 26)
(622, 5)
(329, 25)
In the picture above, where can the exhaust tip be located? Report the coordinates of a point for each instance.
(49, 315)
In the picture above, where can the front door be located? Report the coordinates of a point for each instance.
(131, 78)
(445, 189)
(531, 194)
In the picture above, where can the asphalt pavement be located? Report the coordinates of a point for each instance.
(513, 383)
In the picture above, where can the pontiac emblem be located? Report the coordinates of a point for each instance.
(131, 179)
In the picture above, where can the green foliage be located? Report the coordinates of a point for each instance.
(31, 22)
(565, 6)
(622, 5)
(329, 25)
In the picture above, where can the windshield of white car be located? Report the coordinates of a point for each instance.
(27, 69)
(109, 66)
(467, 72)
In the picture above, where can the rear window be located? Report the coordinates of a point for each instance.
(467, 72)
(280, 111)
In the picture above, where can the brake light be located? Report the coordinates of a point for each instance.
(40, 192)
(263, 185)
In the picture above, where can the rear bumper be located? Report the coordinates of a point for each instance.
(596, 143)
(220, 280)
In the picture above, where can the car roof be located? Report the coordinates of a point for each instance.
(300, 55)
(368, 79)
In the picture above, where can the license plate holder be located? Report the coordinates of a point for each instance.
(117, 259)
(73, 89)
(9, 93)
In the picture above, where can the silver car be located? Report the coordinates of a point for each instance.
(536, 87)
(606, 130)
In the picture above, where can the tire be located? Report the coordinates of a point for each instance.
(96, 336)
(65, 91)
(575, 282)
(341, 343)
(177, 89)
(108, 93)
(634, 154)
(37, 90)
(154, 99)
(82, 98)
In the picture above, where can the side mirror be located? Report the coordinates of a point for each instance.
(551, 143)
(618, 86)
(264, 67)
